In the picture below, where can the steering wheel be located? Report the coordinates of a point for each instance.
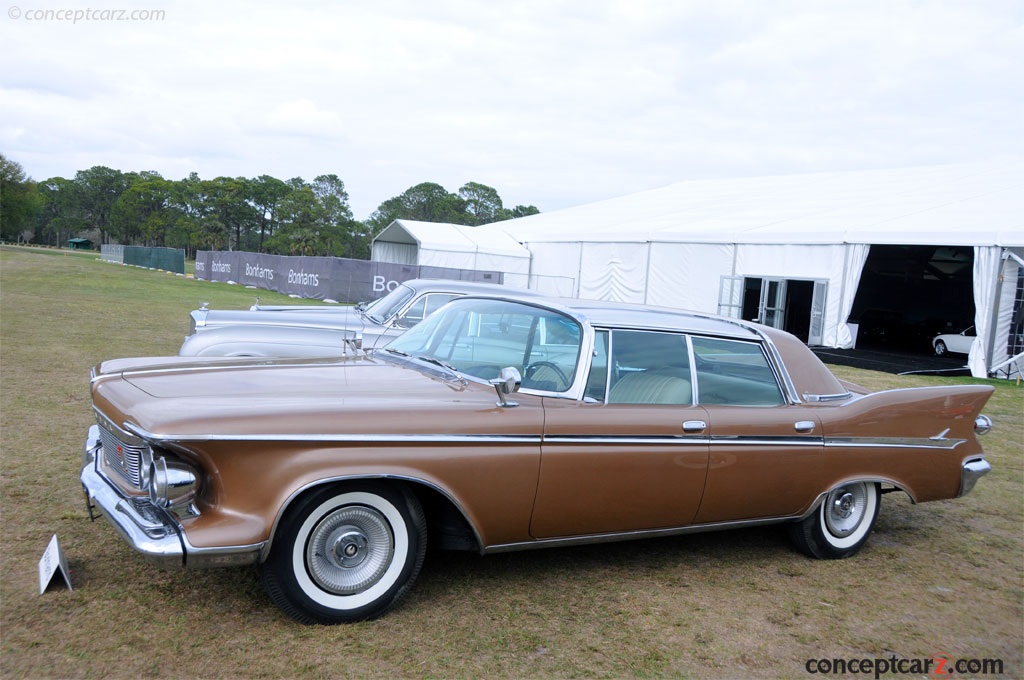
(532, 369)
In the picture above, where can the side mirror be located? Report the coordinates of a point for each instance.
(507, 382)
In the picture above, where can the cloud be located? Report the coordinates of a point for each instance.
(553, 103)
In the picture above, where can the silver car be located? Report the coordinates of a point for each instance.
(317, 331)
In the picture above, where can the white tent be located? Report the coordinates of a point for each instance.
(689, 244)
(454, 246)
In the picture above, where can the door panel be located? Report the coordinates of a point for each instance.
(760, 464)
(618, 467)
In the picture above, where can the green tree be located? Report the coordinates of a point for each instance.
(426, 202)
(350, 237)
(61, 215)
(145, 211)
(302, 228)
(266, 194)
(20, 201)
(483, 204)
(96, 191)
(520, 211)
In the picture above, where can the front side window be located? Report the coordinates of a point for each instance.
(384, 308)
(735, 373)
(424, 307)
(480, 337)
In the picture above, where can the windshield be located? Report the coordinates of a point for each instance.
(384, 308)
(480, 337)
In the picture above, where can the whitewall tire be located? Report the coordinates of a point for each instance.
(346, 553)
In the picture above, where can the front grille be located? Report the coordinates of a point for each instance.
(121, 458)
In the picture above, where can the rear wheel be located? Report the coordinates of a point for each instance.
(346, 553)
(841, 524)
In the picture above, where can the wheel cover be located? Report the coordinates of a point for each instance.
(349, 550)
(845, 509)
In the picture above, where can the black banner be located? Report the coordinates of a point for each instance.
(322, 278)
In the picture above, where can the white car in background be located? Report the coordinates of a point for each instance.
(957, 343)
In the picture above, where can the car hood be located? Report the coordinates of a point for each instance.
(326, 317)
(177, 399)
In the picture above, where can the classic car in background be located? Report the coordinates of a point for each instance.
(957, 343)
(321, 330)
(503, 423)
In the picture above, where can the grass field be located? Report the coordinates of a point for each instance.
(937, 579)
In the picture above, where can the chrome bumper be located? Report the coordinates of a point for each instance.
(972, 471)
(149, 529)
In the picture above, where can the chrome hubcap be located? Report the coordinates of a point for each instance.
(844, 509)
(349, 550)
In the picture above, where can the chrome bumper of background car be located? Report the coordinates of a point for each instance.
(972, 471)
(148, 529)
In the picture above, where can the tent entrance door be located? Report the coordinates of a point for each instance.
(796, 306)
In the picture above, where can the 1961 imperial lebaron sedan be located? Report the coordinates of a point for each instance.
(503, 424)
(321, 330)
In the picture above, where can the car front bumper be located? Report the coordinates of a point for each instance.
(148, 529)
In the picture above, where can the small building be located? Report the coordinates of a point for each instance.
(79, 244)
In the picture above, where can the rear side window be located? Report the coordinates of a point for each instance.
(735, 373)
(649, 367)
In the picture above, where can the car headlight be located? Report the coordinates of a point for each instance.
(171, 483)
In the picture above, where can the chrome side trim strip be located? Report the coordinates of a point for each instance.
(714, 440)
(893, 442)
(649, 533)
(341, 438)
(815, 398)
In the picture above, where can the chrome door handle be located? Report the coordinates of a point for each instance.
(694, 426)
(804, 426)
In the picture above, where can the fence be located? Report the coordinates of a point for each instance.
(167, 259)
(322, 278)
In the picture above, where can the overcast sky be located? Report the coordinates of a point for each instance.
(552, 103)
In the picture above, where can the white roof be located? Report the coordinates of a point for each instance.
(975, 204)
(452, 238)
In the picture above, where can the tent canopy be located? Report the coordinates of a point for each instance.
(450, 245)
(968, 205)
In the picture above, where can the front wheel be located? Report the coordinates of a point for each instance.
(345, 554)
(841, 524)
(940, 348)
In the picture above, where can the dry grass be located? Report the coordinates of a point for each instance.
(939, 578)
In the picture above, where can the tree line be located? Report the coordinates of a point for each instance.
(262, 214)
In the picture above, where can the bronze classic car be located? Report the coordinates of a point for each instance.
(505, 424)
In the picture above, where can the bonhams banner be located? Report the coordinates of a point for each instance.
(321, 278)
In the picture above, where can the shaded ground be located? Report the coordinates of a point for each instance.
(893, 361)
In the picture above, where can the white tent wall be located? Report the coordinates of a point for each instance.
(555, 268)
(988, 262)
(614, 271)
(453, 246)
(1005, 305)
(687, 275)
(398, 253)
